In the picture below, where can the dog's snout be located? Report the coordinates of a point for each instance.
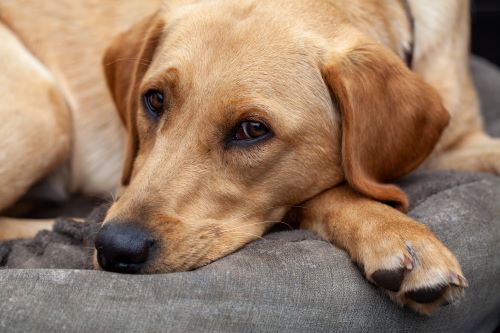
(123, 247)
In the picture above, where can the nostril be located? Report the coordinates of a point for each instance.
(123, 247)
(136, 252)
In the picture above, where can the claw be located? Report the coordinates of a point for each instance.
(463, 281)
(458, 280)
(407, 263)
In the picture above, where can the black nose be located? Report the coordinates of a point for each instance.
(122, 247)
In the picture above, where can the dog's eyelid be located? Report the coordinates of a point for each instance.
(167, 80)
(250, 144)
(154, 85)
(167, 91)
(239, 128)
(258, 113)
(250, 113)
(255, 119)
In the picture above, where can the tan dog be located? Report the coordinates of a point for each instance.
(236, 112)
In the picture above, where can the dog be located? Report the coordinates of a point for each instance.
(234, 114)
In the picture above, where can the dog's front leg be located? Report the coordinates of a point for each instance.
(393, 251)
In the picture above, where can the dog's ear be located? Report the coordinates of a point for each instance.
(125, 62)
(391, 119)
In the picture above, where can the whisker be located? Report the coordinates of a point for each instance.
(113, 196)
(142, 61)
(288, 225)
(250, 234)
(245, 225)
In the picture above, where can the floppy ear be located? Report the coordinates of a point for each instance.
(391, 119)
(125, 62)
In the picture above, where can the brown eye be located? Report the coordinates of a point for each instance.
(153, 102)
(250, 131)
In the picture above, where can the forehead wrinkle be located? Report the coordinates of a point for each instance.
(230, 31)
(227, 40)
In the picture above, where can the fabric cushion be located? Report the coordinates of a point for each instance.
(290, 281)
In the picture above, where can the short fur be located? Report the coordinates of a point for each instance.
(329, 79)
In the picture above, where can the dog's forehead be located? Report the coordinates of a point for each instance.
(214, 40)
(213, 52)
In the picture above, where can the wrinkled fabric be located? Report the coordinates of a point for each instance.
(69, 245)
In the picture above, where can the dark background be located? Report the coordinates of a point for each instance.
(486, 29)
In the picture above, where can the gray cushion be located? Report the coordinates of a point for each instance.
(290, 281)
(487, 80)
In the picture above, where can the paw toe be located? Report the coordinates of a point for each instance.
(389, 279)
(426, 295)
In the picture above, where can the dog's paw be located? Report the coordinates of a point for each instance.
(414, 268)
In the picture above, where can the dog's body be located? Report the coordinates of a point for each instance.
(65, 42)
(54, 95)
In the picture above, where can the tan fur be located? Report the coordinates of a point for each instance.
(125, 62)
(35, 126)
(325, 76)
(69, 39)
(378, 237)
(11, 228)
(382, 137)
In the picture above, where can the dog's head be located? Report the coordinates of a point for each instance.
(235, 115)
